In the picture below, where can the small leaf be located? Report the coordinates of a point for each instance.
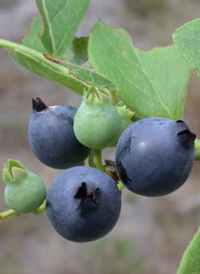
(61, 19)
(87, 75)
(76, 52)
(68, 75)
(48, 69)
(190, 263)
(150, 83)
(32, 39)
(187, 40)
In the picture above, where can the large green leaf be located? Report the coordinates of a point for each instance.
(151, 83)
(190, 263)
(187, 40)
(61, 19)
(69, 75)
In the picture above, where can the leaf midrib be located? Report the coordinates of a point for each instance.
(50, 27)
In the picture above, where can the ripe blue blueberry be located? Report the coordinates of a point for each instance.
(51, 136)
(154, 156)
(83, 204)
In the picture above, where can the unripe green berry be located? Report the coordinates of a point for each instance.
(24, 191)
(97, 122)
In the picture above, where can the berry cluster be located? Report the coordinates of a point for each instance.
(154, 157)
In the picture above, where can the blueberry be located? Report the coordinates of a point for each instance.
(97, 122)
(83, 204)
(154, 156)
(51, 136)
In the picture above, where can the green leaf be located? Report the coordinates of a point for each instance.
(150, 83)
(37, 63)
(32, 40)
(76, 52)
(61, 19)
(89, 76)
(187, 40)
(69, 75)
(190, 263)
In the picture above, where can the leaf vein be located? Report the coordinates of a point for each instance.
(53, 18)
(49, 26)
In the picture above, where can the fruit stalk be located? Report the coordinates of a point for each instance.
(91, 159)
(197, 144)
(120, 186)
(40, 209)
(98, 160)
(197, 150)
(8, 213)
(113, 97)
(197, 155)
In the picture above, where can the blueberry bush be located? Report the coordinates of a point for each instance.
(131, 100)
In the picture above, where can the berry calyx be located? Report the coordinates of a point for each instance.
(87, 197)
(38, 105)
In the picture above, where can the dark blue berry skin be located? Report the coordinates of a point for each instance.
(154, 156)
(51, 136)
(83, 204)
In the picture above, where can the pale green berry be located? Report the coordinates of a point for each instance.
(97, 122)
(24, 191)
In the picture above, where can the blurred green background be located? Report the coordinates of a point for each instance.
(152, 233)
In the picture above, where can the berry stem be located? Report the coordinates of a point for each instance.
(113, 97)
(91, 159)
(197, 150)
(197, 156)
(98, 161)
(12, 212)
(40, 209)
(8, 213)
(197, 144)
(120, 186)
